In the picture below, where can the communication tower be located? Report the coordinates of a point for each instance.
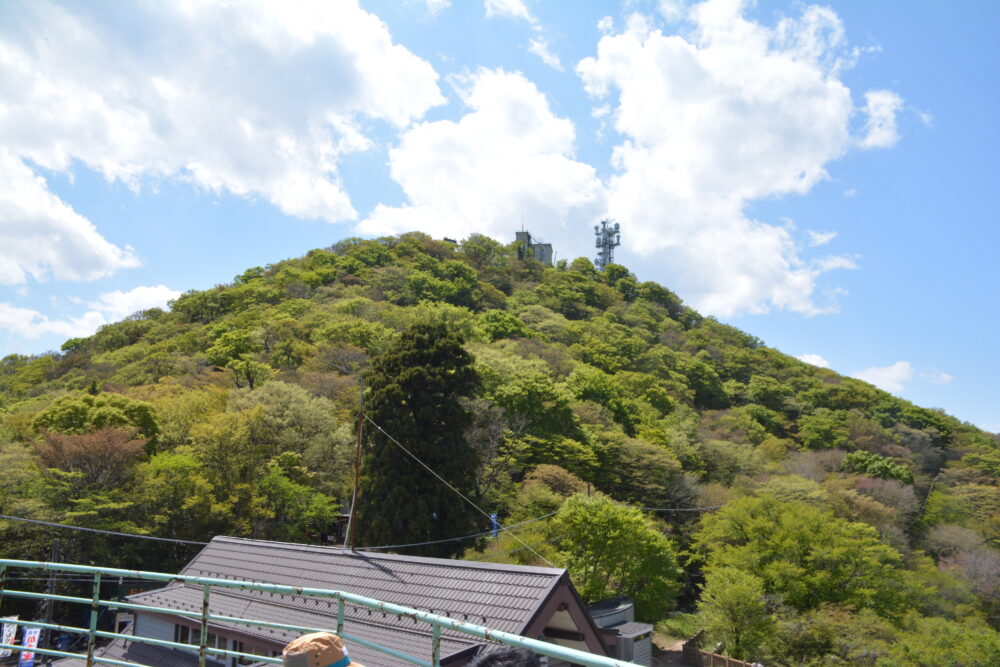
(608, 237)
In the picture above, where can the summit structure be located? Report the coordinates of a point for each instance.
(608, 237)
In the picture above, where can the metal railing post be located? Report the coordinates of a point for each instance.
(436, 647)
(92, 632)
(340, 615)
(203, 640)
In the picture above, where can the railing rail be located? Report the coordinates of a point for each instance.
(436, 621)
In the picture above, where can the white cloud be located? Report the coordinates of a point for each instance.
(880, 128)
(605, 25)
(889, 378)
(937, 377)
(850, 193)
(109, 307)
(820, 238)
(117, 304)
(28, 323)
(514, 9)
(814, 359)
(539, 46)
(40, 235)
(251, 98)
(508, 159)
(732, 112)
(671, 10)
(435, 6)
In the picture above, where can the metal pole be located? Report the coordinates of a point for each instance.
(204, 626)
(352, 527)
(51, 590)
(94, 606)
(436, 647)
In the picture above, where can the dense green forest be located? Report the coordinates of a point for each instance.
(800, 516)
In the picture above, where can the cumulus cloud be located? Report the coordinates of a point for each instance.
(27, 323)
(539, 46)
(671, 10)
(890, 378)
(41, 235)
(509, 158)
(820, 238)
(514, 9)
(937, 377)
(435, 6)
(814, 359)
(881, 107)
(109, 307)
(250, 98)
(117, 304)
(731, 112)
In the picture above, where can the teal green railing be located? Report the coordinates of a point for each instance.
(436, 621)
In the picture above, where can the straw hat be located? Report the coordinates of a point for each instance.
(318, 649)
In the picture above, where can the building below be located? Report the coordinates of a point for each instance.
(529, 248)
(626, 639)
(535, 602)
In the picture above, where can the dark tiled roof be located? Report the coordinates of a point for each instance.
(503, 597)
(632, 629)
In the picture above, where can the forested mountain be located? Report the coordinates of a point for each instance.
(799, 515)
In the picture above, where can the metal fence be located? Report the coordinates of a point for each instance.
(436, 621)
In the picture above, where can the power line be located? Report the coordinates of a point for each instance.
(97, 530)
(522, 523)
(456, 539)
(462, 495)
(681, 509)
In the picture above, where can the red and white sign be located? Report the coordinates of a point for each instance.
(30, 641)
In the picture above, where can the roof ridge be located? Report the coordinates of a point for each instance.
(368, 555)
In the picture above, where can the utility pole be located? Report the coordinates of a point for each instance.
(50, 591)
(352, 526)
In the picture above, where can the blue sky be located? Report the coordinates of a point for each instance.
(821, 176)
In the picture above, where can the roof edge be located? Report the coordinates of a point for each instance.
(555, 572)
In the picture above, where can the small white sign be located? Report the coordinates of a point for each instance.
(9, 632)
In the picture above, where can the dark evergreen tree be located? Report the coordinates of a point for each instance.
(414, 395)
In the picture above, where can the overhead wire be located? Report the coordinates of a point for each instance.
(98, 530)
(459, 493)
(457, 539)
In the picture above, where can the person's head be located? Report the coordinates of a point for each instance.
(318, 648)
(507, 656)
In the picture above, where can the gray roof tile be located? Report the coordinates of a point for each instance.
(505, 595)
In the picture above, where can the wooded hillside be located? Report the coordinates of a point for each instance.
(803, 517)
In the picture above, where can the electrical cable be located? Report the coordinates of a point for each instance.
(460, 494)
(456, 539)
(681, 509)
(97, 530)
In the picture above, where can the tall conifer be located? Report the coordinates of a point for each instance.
(414, 395)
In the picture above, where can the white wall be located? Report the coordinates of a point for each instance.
(153, 627)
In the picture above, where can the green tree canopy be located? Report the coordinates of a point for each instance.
(734, 609)
(614, 550)
(77, 414)
(803, 554)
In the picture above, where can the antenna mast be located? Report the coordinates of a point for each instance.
(608, 237)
